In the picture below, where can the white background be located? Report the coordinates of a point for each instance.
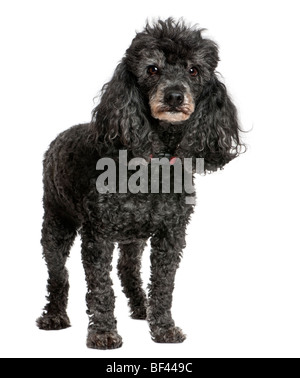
(237, 289)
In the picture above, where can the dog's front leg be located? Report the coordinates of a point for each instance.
(165, 257)
(96, 258)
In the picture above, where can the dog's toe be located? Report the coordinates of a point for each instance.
(50, 322)
(103, 340)
(169, 335)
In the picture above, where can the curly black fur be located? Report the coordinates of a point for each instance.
(164, 97)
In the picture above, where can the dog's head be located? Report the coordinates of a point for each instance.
(167, 77)
(171, 63)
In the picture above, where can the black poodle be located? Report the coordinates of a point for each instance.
(164, 100)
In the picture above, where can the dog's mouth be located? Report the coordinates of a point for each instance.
(172, 114)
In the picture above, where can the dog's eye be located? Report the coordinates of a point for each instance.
(193, 71)
(152, 70)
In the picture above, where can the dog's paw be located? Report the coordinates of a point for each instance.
(50, 322)
(169, 335)
(139, 313)
(103, 340)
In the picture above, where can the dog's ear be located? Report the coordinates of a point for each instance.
(120, 118)
(214, 130)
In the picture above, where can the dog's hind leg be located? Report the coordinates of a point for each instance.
(129, 266)
(97, 257)
(58, 235)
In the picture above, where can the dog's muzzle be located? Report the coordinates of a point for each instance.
(172, 105)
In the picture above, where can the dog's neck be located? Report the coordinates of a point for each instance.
(169, 137)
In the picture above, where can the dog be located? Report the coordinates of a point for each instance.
(164, 101)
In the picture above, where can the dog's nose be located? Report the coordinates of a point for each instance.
(174, 98)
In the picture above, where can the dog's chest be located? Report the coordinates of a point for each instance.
(139, 216)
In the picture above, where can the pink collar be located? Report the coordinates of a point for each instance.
(172, 159)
